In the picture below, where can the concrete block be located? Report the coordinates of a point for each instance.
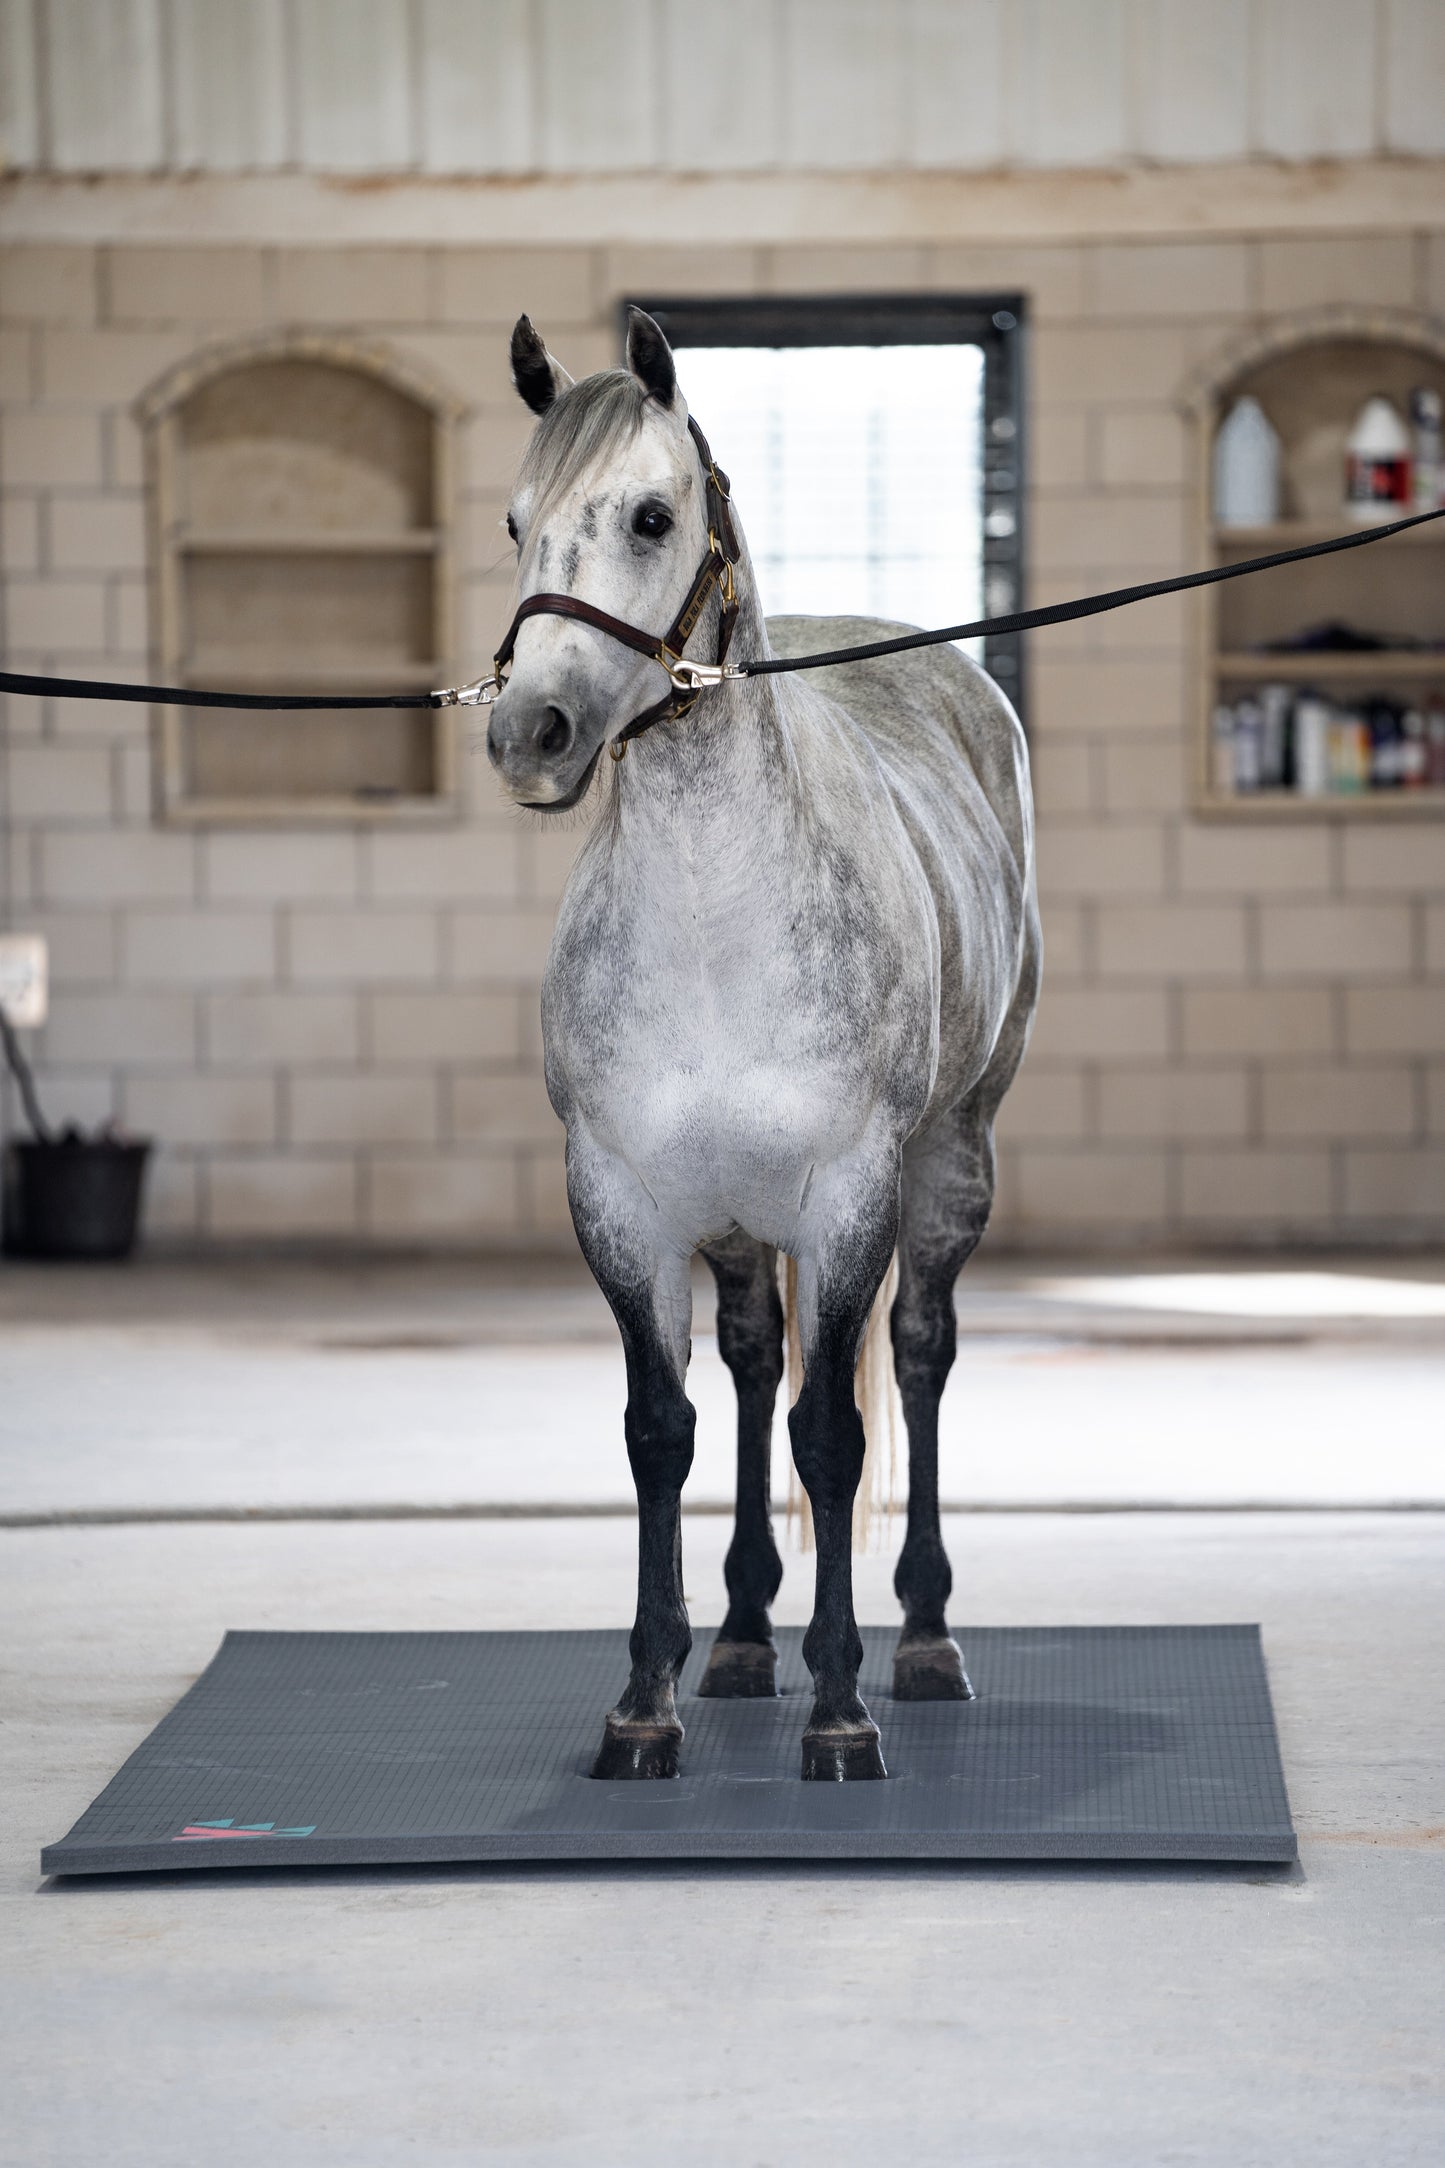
(128, 616)
(223, 284)
(172, 1208)
(1395, 859)
(243, 867)
(1333, 940)
(1144, 775)
(199, 948)
(105, 1029)
(1171, 278)
(1285, 1020)
(1435, 939)
(548, 856)
(501, 947)
(1108, 364)
(1396, 1186)
(1108, 696)
(633, 273)
(135, 783)
(1053, 279)
(363, 947)
(499, 1110)
(1138, 535)
(201, 1110)
(288, 1030)
(59, 782)
(1144, 448)
(53, 615)
(1330, 1102)
(85, 1097)
(81, 944)
(1059, 448)
(106, 368)
(546, 1216)
(1044, 1106)
(444, 866)
(1162, 626)
(1258, 1190)
(430, 1030)
(1171, 941)
(842, 270)
(17, 364)
(98, 534)
(1435, 1100)
(124, 450)
(281, 1197)
(119, 867)
(1112, 1190)
(1113, 1022)
(1394, 1020)
(352, 1110)
(1433, 246)
(1145, 1104)
(50, 451)
(1063, 777)
(1078, 858)
(40, 283)
(1287, 860)
(19, 535)
(471, 1198)
(1310, 271)
(1065, 943)
(352, 285)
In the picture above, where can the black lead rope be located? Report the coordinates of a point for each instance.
(1056, 613)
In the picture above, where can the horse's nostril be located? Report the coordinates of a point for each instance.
(494, 744)
(556, 733)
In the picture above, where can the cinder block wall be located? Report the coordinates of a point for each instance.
(334, 1035)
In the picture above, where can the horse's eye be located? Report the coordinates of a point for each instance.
(651, 520)
(511, 527)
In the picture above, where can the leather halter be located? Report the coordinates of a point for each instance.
(689, 679)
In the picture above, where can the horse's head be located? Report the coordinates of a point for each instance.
(609, 506)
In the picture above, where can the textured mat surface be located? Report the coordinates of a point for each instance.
(1103, 1742)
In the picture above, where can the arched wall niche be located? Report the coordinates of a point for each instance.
(301, 504)
(1311, 372)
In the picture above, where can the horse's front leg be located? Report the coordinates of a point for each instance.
(646, 1281)
(836, 1287)
(743, 1660)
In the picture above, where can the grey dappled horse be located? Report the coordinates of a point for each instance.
(791, 979)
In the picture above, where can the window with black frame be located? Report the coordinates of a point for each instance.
(875, 448)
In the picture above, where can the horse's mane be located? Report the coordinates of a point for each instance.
(589, 423)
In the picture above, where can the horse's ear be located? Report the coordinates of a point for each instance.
(649, 357)
(538, 375)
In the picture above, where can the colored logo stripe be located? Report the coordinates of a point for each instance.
(203, 1830)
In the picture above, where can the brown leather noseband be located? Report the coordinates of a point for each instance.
(689, 679)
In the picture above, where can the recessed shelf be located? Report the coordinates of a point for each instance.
(1293, 805)
(1382, 663)
(1298, 533)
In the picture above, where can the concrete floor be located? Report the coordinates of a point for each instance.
(1032, 2015)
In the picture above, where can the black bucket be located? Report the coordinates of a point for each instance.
(75, 1197)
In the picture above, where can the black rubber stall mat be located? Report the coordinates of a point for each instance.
(309, 1750)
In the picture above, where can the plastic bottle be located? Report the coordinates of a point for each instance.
(1428, 490)
(1377, 462)
(1246, 468)
(1415, 754)
(1248, 744)
(1222, 750)
(1312, 718)
(1435, 741)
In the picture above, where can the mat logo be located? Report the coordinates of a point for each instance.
(194, 1831)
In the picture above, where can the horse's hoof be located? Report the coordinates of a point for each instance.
(930, 1671)
(842, 1757)
(740, 1671)
(637, 1750)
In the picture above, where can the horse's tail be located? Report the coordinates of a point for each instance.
(876, 1391)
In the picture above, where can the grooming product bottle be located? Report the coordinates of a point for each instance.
(1312, 718)
(1246, 468)
(1222, 750)
(1377, 462)
(1428, 493)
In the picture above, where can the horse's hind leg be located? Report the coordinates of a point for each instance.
(947, 1192)
(744, 1660)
